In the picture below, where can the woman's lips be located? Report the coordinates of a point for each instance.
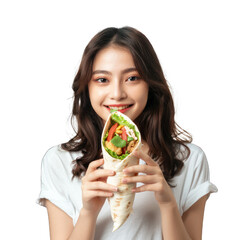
(119, 107)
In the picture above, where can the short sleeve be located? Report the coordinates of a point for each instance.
(197, 182)
(54, 182)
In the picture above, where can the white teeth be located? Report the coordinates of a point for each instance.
(118, 108)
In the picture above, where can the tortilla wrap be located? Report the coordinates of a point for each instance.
(122, 201)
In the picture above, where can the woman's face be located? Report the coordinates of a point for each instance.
(116, 84)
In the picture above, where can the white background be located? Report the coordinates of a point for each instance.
(41, 47)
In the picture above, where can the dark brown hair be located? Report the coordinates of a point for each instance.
(156, 123)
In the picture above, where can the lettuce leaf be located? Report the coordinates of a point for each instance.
(118, 142)
(129, 139)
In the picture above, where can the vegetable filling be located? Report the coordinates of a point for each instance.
(121, 138)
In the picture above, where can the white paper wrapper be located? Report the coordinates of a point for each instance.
(122, 201)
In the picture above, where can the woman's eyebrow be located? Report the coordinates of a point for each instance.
(127, 70)
(101, 71)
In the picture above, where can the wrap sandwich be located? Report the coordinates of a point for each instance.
(120, 137)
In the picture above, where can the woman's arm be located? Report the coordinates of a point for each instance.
(174, 227)
(193, 218)
(61, 225)
(188, 227)
(95, 190)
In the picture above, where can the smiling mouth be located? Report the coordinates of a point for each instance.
(118, 107)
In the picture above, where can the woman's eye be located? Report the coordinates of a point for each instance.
(133, 78)
(101, 80)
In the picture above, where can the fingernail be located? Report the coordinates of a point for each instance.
(115, 189)
(124, 180)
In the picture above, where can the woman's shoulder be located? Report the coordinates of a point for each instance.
(196, 156)
(57, 155)
(195, 164)
(195, 149)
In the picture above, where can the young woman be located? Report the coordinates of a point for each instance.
(120, 70)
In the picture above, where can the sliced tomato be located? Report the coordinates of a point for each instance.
(124, 137)
(111, 132)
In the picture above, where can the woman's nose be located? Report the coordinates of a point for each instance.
(117, 91)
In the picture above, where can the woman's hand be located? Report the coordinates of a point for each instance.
(153, 179)
(95, 190)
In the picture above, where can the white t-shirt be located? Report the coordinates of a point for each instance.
(145, 221)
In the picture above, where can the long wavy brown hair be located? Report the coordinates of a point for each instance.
(156, 123)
